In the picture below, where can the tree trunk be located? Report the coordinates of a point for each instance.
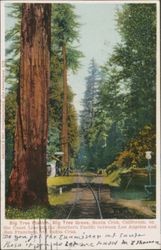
(64, 136)
(28, 177)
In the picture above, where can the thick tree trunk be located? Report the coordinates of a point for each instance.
(28, 177)
(64, 135)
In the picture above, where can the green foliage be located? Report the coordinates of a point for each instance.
(113, 179)
(53, 142)
(9, 140)
(73, 132)
(145, 141)
(73, 58)
(88, 130)
(134, 155)
(65, 23)
(55, 114)
(36, 212)
(136, 59)
(65, 32)
(12, 37)
(125, 97)
(10, 111)
(10, 121)
(125, 159)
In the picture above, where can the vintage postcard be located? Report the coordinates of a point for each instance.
(80, 125)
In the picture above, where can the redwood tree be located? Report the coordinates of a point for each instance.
(66, 30)
(28, 177)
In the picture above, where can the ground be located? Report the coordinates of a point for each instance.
(115, 202)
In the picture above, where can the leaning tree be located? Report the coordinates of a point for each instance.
(27, 184)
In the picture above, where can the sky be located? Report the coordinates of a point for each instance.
(98, 36)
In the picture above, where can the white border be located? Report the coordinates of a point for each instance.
(158, 121)
(2, 170)
(84, 2)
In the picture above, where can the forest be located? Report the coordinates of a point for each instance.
(117, 123)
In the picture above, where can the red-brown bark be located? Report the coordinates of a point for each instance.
(64, 132)
(28, 177)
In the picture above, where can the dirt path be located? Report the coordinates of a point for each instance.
(86, 206)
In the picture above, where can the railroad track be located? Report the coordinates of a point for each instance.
(86, 204)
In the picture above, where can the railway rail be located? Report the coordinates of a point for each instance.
(92, 204)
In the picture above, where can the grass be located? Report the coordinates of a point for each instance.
(58, 199)
(129, 194)
(112, 179)
(60, 181)
(88, 174)
(35, 212)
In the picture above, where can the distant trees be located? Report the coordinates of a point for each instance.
(89, 102)
(88, 114)
(126, 98)
(28, 177)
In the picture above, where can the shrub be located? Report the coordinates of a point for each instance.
(125, 159)
(134, 155)
(111, 168)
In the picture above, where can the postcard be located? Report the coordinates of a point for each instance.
(80, 125)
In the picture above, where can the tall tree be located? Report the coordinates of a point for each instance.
(90, 99)
(66, 30)
(88, 114)
(28, 177)
(135, 59)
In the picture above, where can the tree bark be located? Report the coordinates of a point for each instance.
(28, 177)
(64, 136)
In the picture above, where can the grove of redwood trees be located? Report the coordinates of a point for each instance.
(27, 185)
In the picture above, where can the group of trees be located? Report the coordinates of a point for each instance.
(88, 116)
(118, 116)
(121, 106)
(38, 100)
